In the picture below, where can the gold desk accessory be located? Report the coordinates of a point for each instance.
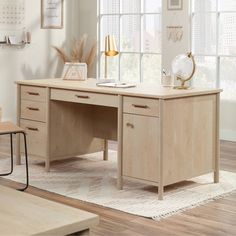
(110, 51)
(188, 59)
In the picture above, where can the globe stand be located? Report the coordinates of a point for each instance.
(182, 86)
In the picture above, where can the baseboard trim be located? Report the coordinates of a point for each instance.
(228, 135)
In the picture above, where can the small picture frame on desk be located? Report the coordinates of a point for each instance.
(75, 71)
(52, 13)
(173, 5)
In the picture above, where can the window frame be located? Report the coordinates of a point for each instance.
(141, 53)
(218, 56)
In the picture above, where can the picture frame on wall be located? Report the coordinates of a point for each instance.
(52, 14)
(174, 5)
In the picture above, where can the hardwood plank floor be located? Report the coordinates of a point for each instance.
(215, 218)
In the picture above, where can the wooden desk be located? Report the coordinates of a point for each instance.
(164, 135)
(25, 214)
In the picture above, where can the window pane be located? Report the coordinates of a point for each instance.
(205, 75)
(227, 78)
(152, 6)
(227, 35)
(112, 67)
(204, 33)
(152, 33)
(130, 34)
(131, 6)
(151, 68)
(109, 25)
(204, 5)
(227, 5)
(109, 6)
(129, 67)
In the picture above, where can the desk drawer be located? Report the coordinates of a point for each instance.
(84, 97)
(33, 93)
(33, 110)
(141, 106)
(36, 137)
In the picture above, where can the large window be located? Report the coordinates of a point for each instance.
(214, 44)
(136, 25)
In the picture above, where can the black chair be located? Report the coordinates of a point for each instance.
(8, 128)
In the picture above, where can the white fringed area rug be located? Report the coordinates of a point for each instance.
(89, 178)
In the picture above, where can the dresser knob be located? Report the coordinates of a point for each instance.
(130, 125)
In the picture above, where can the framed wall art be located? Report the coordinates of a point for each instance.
(174, 4)
(52, 13)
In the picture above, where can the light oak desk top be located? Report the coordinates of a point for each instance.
(141, 90)
(164, 135)
(25, 214)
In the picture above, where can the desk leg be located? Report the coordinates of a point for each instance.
(217, 146)
(47, 161)
(18, 155)
(105, 152)
(47, 165)
(160, 156)
(120, 141)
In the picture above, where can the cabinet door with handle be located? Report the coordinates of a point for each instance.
(140, 147)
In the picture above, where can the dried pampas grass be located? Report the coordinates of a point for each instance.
(77, 54)
(62, 54)
(92, 55)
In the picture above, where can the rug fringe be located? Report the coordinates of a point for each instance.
(179, 211)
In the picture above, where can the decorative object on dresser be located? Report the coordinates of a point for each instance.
(52, 13)
(183, 68)
(78, 54)
(110, 51)
(75, 71)
(153, 148)
(166, 79)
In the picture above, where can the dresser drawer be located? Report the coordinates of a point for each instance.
(36, 137)
(33, 93)
(33, 110)
(141, 106)
(84, 97)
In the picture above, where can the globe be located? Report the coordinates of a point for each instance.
(183, 66)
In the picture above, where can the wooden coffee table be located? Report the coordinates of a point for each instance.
(25, 214)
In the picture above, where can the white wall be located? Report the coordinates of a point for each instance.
(228, 120)
(35, 61)
(171, 49)
(87, 19)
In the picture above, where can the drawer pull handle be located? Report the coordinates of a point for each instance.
(32, 129)
(140, 106)
(33, 109)
(130, 125)
(80, 96)
(33, 94)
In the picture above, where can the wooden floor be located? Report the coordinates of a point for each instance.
(215, 218)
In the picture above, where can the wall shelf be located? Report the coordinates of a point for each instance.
(18, 45)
